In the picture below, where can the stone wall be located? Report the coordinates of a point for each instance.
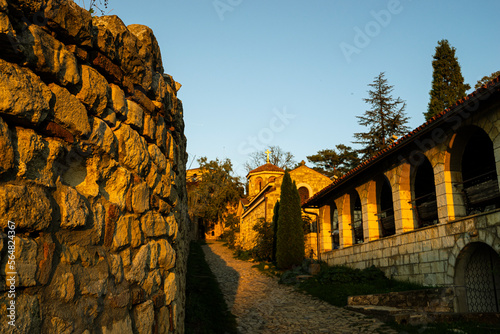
(92, 175)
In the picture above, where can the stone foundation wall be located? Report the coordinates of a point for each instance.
(427, 256)
(93, 209)
(430, 300)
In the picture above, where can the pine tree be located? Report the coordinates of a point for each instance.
(290, 239)
(386, 118)
(275, 229)
(447, 80)
(335, 162)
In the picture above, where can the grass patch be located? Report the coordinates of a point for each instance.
(268, 269)
(444, 328)
(335, 284)
(206, 310)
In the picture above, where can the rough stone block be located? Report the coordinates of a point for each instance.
(140, 265)
(94, 92)
(154, 225)
(71, 22)
(120, 104)
(119, 326)
(132, 149)
(122, 232)
(140, 198)
(69, 112)
(6, 147)
(115, 186)
(26, 252)
(27, 206)
(23, 94)
(162, 254)
(170, 287)
(144, 317)
(74, 210)
(103, 137)
(47, 55)
(135, 115)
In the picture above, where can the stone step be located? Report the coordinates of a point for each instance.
(389, 313)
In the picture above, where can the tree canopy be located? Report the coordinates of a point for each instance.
(447, 80)
(210, 197)
(335, 162)
(277, 157)
(487, 78)
(386, 119)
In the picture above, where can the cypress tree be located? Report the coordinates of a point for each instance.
(275, 229)
(447, 80)
(290, 240)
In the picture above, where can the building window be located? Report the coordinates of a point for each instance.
(356, 218)
(258, 184)
(386, 209)
(304, 194)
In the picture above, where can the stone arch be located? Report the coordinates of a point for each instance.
(385, 206)
(423, 194)
(356, 217)
(477, 278)
(334, 225)
(304, 187)
(472, 161)
(258, 184)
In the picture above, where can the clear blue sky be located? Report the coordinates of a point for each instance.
(244, 62)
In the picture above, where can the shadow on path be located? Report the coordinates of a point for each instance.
(227, 276)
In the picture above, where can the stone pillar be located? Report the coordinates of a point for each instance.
(444, 186)
(344, 208)
(399, 178)
(368, 196)
(326, 228)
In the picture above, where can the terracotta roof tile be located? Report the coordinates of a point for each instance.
(269, 167)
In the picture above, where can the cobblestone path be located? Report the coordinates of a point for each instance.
(261, 305)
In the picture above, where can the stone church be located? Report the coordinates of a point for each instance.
(264, 190)
(427, 208)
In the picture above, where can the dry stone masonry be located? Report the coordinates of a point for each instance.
(92, 175)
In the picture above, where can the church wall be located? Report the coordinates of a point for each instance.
(247, 233)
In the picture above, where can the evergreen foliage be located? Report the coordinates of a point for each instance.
(275, 229)
(447, 80)
(335, 162)
(484, 80)
(386, 119)
(290, 238)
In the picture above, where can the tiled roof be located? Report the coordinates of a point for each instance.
(428, 125)
(269, 167)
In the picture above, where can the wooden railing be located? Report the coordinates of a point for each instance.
(481, 193)
(386, 220)
(425, 209)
